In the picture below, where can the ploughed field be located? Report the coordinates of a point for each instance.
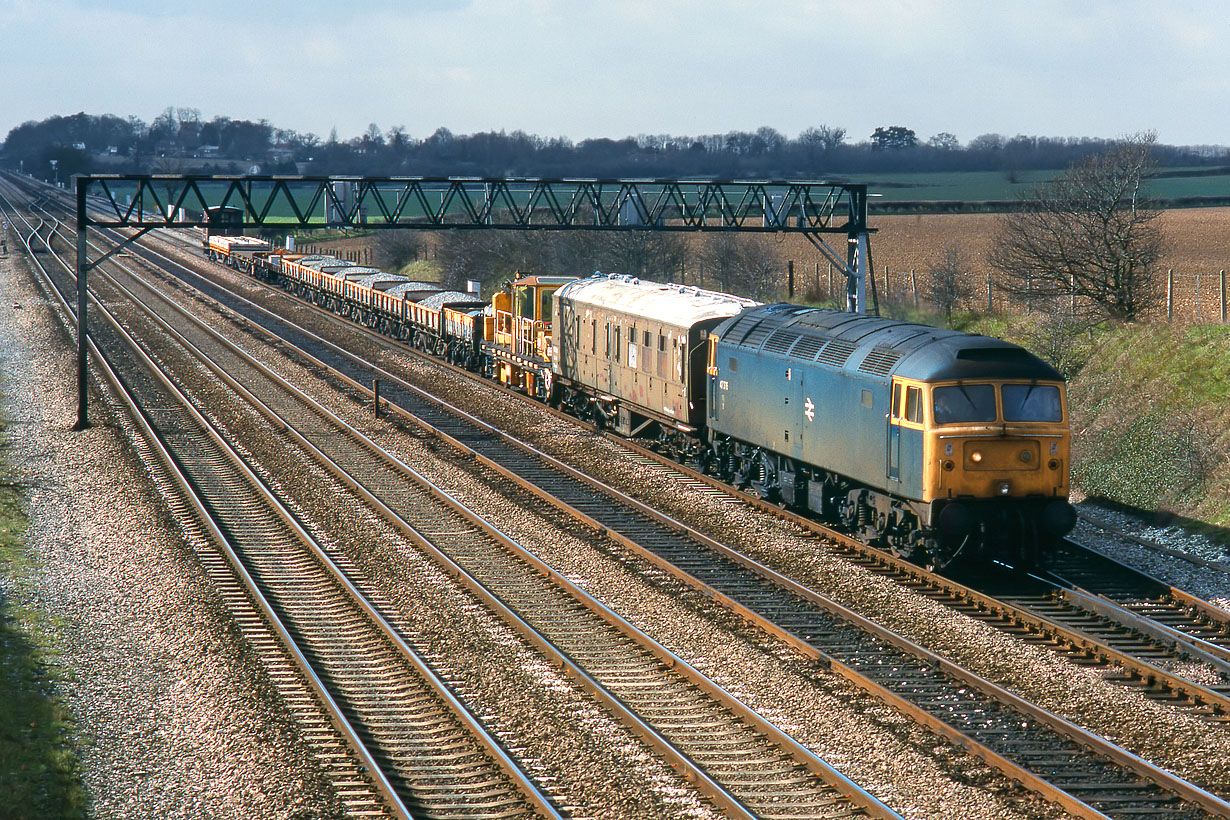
(904, 242)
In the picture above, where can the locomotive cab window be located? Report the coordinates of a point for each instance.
(544, 303)
(964, 403)
(524, 301)
(1032, 402)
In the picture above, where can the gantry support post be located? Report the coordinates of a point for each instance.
(83, 387)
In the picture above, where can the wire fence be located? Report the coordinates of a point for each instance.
(1184, 296)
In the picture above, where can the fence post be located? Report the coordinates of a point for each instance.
(1223, 295)
(829, 294)
(1197, 294)
(790, 279)
(886, 286)
(989, 306)
(914, 287)
(1169, 294)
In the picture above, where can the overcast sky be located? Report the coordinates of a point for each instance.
(616, 68)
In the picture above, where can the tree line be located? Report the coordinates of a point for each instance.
(180, 140)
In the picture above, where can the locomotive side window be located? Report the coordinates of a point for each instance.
(896, 400)
(913, 404)
(1032, 402)
(964, 403)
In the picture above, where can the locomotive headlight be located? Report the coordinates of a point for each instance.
(1003, 488)
(975, 456)
(1026, 456)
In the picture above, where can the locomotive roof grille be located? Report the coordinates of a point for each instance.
(880, 361)
(836, 352)
(807, 346)
(757, 334)
(781, 340)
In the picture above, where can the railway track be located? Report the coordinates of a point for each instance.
(390, 735)
(1089, 780)
(743, 763)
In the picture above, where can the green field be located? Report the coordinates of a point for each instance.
(991, 186)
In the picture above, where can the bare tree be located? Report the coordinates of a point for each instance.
(743, 264)
(396, 249)
(949, 283)
(825, 137)
(1090, 234)
(654, 255)
(944, 141)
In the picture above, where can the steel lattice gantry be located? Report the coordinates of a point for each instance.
(812, 208)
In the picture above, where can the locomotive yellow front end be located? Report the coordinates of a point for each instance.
(520, 334)
(997, 457)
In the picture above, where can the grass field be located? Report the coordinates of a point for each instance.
(37, 765)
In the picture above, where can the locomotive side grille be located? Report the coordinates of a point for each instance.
(781, 340)
(880, 361)
(836, 352)
(808, 346)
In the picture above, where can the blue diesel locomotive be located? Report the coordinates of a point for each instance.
(933, 443)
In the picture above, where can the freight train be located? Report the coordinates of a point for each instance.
(940, 446)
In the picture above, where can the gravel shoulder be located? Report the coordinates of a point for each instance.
(172, 720)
